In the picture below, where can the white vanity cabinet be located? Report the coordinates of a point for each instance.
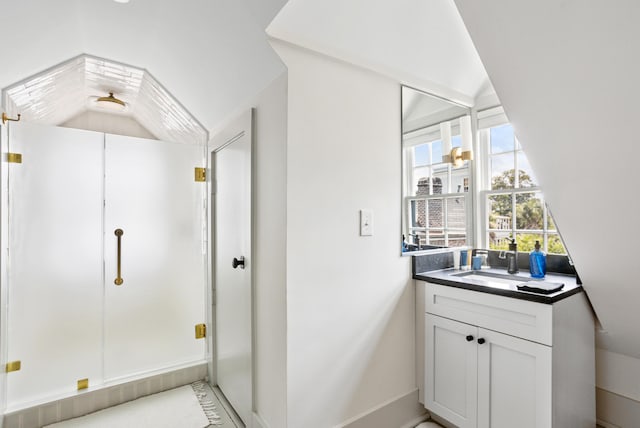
(502, 362)
(506, 381)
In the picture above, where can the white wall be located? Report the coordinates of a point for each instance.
(350, 299)
(270, 178)
(618, 393)
(567, 75)
(420, 43)
(108, 123)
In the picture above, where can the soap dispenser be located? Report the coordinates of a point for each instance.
(512, 257)
(537, 262)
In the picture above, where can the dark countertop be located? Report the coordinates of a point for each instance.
(445, 277)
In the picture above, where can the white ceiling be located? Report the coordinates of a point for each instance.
(263, 11)
(420, 110)
(422, 43)
(212, 56)
(63, 91)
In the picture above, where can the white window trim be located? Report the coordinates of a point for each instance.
(445, 217)
(487, 119)
(425, 136)
(477, 210)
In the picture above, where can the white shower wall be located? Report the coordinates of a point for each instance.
(67, 319)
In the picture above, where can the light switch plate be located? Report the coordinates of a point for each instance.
(366, 223)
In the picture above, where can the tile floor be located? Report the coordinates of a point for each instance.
(228, 419)
(429, 424)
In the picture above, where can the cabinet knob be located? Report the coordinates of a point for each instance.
(469, 338)
(481, 341)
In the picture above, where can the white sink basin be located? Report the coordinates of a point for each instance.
(490, 278)
(494, 279)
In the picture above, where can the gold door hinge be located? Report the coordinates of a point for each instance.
(83, 384)
(201, 174)
(14, 157)
(201, 331)
(13, 366)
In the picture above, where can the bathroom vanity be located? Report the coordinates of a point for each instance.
(490, 355)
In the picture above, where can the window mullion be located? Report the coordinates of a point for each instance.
(427, 241)
(516, 171)
(513, 215)
(430, 169)
(445, 221)
(545, 227)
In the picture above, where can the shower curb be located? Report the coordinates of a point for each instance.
(101, 398)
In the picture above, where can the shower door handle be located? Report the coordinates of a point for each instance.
(119, 280)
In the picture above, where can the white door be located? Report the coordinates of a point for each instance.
(151, 196)
(451, 370)
(514, 382)
(231, 196)
(54, 261)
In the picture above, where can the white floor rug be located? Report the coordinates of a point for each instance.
(429, 424)
(178, 407)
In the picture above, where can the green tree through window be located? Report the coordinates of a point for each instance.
(514, 202)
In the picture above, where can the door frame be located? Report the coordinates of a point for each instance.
(4, 244)
(242, 125)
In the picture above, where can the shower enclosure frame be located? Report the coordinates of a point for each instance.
(4, 247)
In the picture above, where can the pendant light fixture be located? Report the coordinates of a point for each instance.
(111, 103)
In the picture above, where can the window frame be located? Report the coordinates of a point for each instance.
(430, 135)
(476, 199)
(492, 118)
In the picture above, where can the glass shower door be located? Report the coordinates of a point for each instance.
(54, 261)
(152, 198)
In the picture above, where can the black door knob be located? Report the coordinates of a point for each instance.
(469, 338)
(238, 262)
(481, 341)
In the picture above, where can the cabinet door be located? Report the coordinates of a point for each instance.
(514, 382)
(451, 370)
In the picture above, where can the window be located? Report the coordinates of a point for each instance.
(437, 194)
(514, 204)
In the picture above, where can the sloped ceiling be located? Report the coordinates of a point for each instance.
(421, 43)
(263, 11)
(420, 110)
(567, 75)
(63, 91)
(212, 56)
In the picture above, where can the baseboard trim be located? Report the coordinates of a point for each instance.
(258, 422)
(615, 410)
(402, 411)
(604, 424)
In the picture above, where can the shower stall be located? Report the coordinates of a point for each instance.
(104, 260)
